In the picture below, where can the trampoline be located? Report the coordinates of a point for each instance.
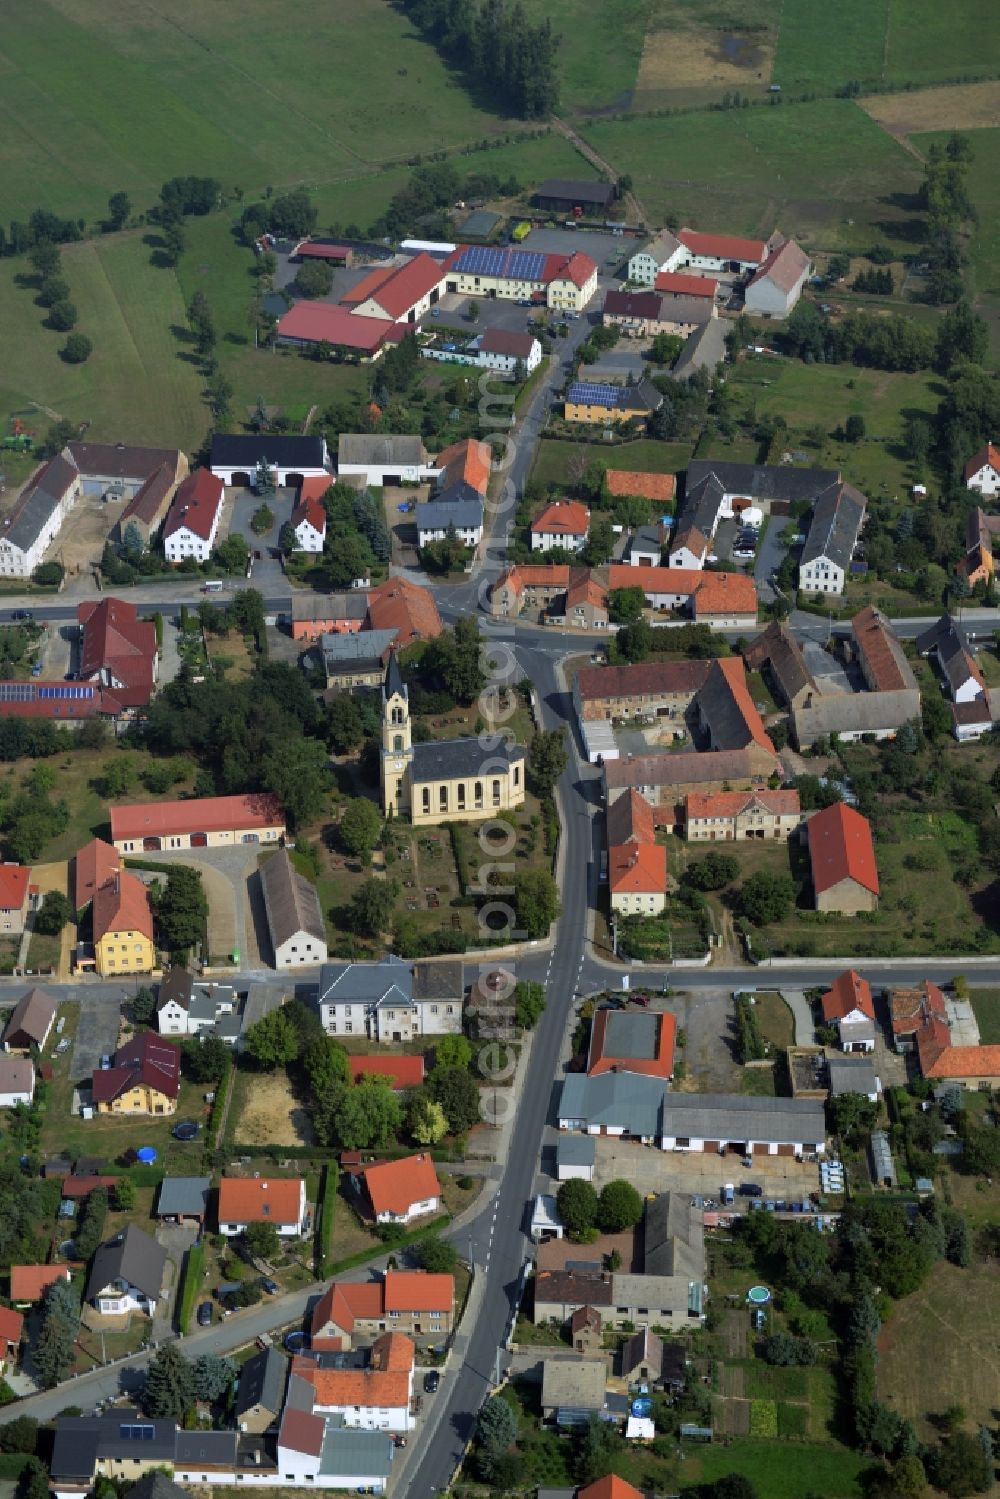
(642, 1408)
(186, 1130)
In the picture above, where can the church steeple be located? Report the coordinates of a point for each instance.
(397, 748)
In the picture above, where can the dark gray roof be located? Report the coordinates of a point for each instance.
(764, 481)
(940, 634)
(380, 450)
(260, 1001)
(463, 513)
(622, 1100)
(394, 684)
(33, 510)
(132, 1256)
(673, 1237)
(117, 460)
(176, 984)
(705, 349)
(119, 1433)
(193, 1448)
(351, 604)
(948, 641)
(852, 1075)
(290, 901)
(576, 1150)
(631, 1034)
(30, 1018)
(855, 713)
(183, 1196)
(643, 1347)
(702, 502)
(479, 224)
(734, 1116)
(439, 979)
(643, 397)
(240, 450)
(366, 983)
(646, 539)
(360, 648)
(156, 1485)
(349, 1453)
(450, 758)
(601, 193)
(835, 525)
(720, 711)
(262, 1382)
(778, 648)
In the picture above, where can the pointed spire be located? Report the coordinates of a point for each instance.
(394, 678)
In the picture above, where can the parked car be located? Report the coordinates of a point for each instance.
(639, 999)
(431, 1381)
(205, 1314)
(728, 1194)
(22, 614)
(751, 1189)
(270, 1286)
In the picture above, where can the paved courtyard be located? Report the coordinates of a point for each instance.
(652, 1170)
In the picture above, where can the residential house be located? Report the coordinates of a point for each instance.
(192, 523)
(398, 293)
(144, 1078)
(260, 1392)
(184, 1199)
(506, 351)
(380, 459)
(717, 491)
(351, 661)
(585, 605)
(441, 519)
(456, 507)
(69, 704)
(38, 515)
(646, 544)
(122, 926)
(654, 259)
(119, 650)
(830, 544)
(197, 822)
(15, 898)
(563, 195)
(314, 615)
(911, 1009)
(126, 1274)
(776, 285)
(595, 402)
(30, 1023)
(400, 1191)
(681, 285)
(643, 690)
(119, 1444)
(735, 815)
(562, 282)
(982, 471)
(314, 1452)
(645, 314)
(28, 1283)
(443, 780)
(586, 1330)
(308, 519)
(723, 600)
(564, 524)
(976, 1068)
(573, 1390)
(390, 1001)
(848, 1005)
(981, 530)
(641, 1358)
(842, 857)
(528, 587)
(637, 878)
(96, 862)
(640, 1042)
(17, 1080)
(401, 1072)
(235, 458)
(260, 1199)
(370, 1389)
(715, 1123)
(665, 780)
(779, 657)
(11, 1330)
(352, 1313)
(401, 605)
(294, 915)
(173, 1002)
(975, 707)
(147, 509)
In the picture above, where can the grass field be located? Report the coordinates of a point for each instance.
(779, 1470)
(986, 1005)
(599, 50)
(557, 462)
(823, 171)
(693, 54)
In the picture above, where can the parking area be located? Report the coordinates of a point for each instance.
(781, 1178)
(97, 1030)
(243, 505)
(59, 654)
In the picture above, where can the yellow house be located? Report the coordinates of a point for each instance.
(450, 780)
(123, 926)
(596, 402)
(144, 1078)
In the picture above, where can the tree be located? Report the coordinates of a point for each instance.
(62, 316)
(455, 1090)
(174, 242)
(314, 278)
(262, 1240)
(496, 1425)
(45, 259)
(219, 395)
(201, 323)
(712, 872)
(960, 1466)
(371, 908)
(55, 911)
(52, 290)
(529, 1004)
(472, 311)
(625, 605)
(19, 1435)
(119, 209)
(124, 1194)
(765, 897)
(452, 1051)
(547, 759)
(77, 349)
(297, 772)
(272, 1042)
(324, 1062)
(365, 1116)
(435, 1255)
(54, 1351)
(577, 1205)
(962, 336)
(213, 1376)
(233, 554)
(596, 1449)
(345, 728)
(181, 909)
(634, 641)
(169, 1388)
(90, 1228)
(599, 544)
(427, 1122)
(360, 827)
(207, 1060)
(781, 1348)
(618, 1207)
(262, 520)
(852, 1116)
(854, 427)
(536, 902)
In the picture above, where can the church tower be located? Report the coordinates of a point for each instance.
(397, 748)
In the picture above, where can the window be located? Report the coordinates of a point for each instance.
(478, 794)
(496, 793)
(442, 798)
(397, 743)
(426, 799)
(461, 797)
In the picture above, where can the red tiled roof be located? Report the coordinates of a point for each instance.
(563, 518)
(520, 577)
(611, 1487)
(466, 462)
(322, 250)
(343, 1304)
(504, 341)
(722, 246)
(309, 502)
(406, 1072)
(147, 1061)
(722, 593)
(196, 814)
(641, 678)
(584, 588)
(658, 487)
(964, 1061)
(678, 284)
(637, 869)
(418, 1291)
(878, 644)
(115, 639)
(397, 604)
(386, 1382)
(909, 1008)
(323, 322)
(255, 1199)
(96, 862)
(578, 268)
(393, 1352)
(13, 886)
(841, 848)
(11, 1327)
(399, 288)
(629, 819)
(121, 904)
(734, 671)
(603, 1057)
(988, 456)
(394, 1186)
(732, 803)
(786, 266)
(29, 1282)
(933, 1041)
(195, 504)
(848, 992)
(82, 1186)
(301, 1431)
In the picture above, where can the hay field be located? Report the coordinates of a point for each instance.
(967, 106)
(270, 1114)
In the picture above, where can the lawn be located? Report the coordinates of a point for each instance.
(558, 463)
(823, 171)
(779, 1470)
(777, 1024)
(600, 48)
(986, 1006)
(66, 1133)
(129, 309)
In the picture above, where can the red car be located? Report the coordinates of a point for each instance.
(639, 999)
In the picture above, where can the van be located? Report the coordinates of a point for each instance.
(215, 586)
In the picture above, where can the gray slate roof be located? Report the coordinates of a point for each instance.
(33, 510)
(623, 1100)
(366, 983)
(576, 1384)
(762, 481)
(731, 1116)
(852, 1075)
(351, 604)
(705, 349)
(355, 1454)
(262, 1382)
(290, 901)
(631, 1034)
(381, 451)
(119, 1433)
(132, 1256)
(177, 985)
(440, 979)
(438, 515)
(183, 1196)
(362, 647)
(451, 758)
(30, 1018)
(674, 1237)
(156, 1485)
(836, 523)
(192, 1449)
(576, 1150)
(855, 712)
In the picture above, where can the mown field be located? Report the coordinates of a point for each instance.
(823, 171)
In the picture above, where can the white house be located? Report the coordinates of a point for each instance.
(192, 522)
(37, 517)
(253, 1199)
(390, 1001)
(664, 253)
(825, 563)
(294, 915)
(315, 1451)
(400, 1191)
(982, 472)
(775, 288)
(379, 459)
(17, 1081)
(719, 252)
(461, 517)
(564, 523)
(309, 515)
(369, 1390)
(235, 457)
(126, 1274)
(502, 350)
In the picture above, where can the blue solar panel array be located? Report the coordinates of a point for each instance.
(27, 692)
(586, 393)
(511, 265)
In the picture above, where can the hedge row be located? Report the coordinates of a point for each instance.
(223, 1088)
(327, 1209)
(194, 1262)
(363, 1256)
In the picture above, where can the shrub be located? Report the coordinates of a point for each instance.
(77, 349)
(763, 1418)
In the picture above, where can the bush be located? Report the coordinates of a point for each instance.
(763, 1418)
(49, 574)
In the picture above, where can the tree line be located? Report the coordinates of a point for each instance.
(505, 57)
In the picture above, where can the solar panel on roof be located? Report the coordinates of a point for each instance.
(512, 265)
(583, 393)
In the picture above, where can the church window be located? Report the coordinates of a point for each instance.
(426, 799)
(397, 743)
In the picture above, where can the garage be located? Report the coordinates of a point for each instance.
(712, 1147)
(786, 1150)
(151, 845)
(760, 1147)
(199, 840)
(241, 480)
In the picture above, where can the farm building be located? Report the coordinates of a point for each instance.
(198, 822)
(842, 856)
(235, 457)
(294, 915)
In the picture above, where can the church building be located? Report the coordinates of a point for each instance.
(448, 780)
